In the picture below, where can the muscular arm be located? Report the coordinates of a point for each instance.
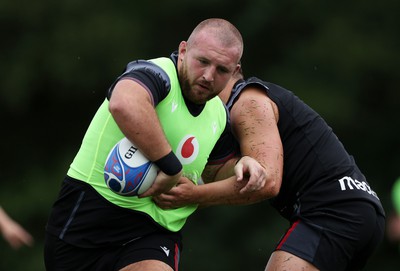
(133, 111)
(254, 119)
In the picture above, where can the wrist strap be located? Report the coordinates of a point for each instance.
(169, 164)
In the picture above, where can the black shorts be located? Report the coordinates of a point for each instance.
(61, 256)
(86, 232)
(333, 241)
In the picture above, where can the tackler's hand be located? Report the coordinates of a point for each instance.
(249, 169)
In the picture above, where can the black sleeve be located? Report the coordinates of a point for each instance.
(149, 75)
(225, 148)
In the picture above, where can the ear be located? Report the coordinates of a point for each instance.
(237, 69)
(182, 49)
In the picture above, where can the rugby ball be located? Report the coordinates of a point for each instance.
(127, 171)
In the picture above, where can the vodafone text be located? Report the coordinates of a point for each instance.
(349, 183)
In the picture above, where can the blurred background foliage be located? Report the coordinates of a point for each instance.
(59, 57)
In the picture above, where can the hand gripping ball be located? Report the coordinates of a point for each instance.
(127, 171)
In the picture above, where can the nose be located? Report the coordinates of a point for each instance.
(209, 74)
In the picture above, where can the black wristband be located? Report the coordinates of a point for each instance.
(169, 164)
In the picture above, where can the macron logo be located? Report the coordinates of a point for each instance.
(166, 250)
(351, 184)
(174, 106)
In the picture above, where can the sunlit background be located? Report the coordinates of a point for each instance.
(57, 59)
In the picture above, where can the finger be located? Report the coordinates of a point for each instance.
(253, 184)
(258, 180)
(238, 171)
(155, 190)
(27, 239)
(150, 192)
(247, 188)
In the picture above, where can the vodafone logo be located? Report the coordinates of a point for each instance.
(188, 149)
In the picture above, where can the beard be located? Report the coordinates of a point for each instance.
(188, 88)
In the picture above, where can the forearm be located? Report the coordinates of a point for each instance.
(214, 173)
(225, 192)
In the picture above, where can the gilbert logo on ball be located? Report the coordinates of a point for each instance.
(127, 171)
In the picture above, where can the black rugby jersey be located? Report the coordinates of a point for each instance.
(317, 169)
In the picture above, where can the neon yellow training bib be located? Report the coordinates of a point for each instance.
(191, 138)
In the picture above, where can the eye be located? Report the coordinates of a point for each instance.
(203, 61)
(223, 70)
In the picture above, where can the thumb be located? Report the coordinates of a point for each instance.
(239, 171)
